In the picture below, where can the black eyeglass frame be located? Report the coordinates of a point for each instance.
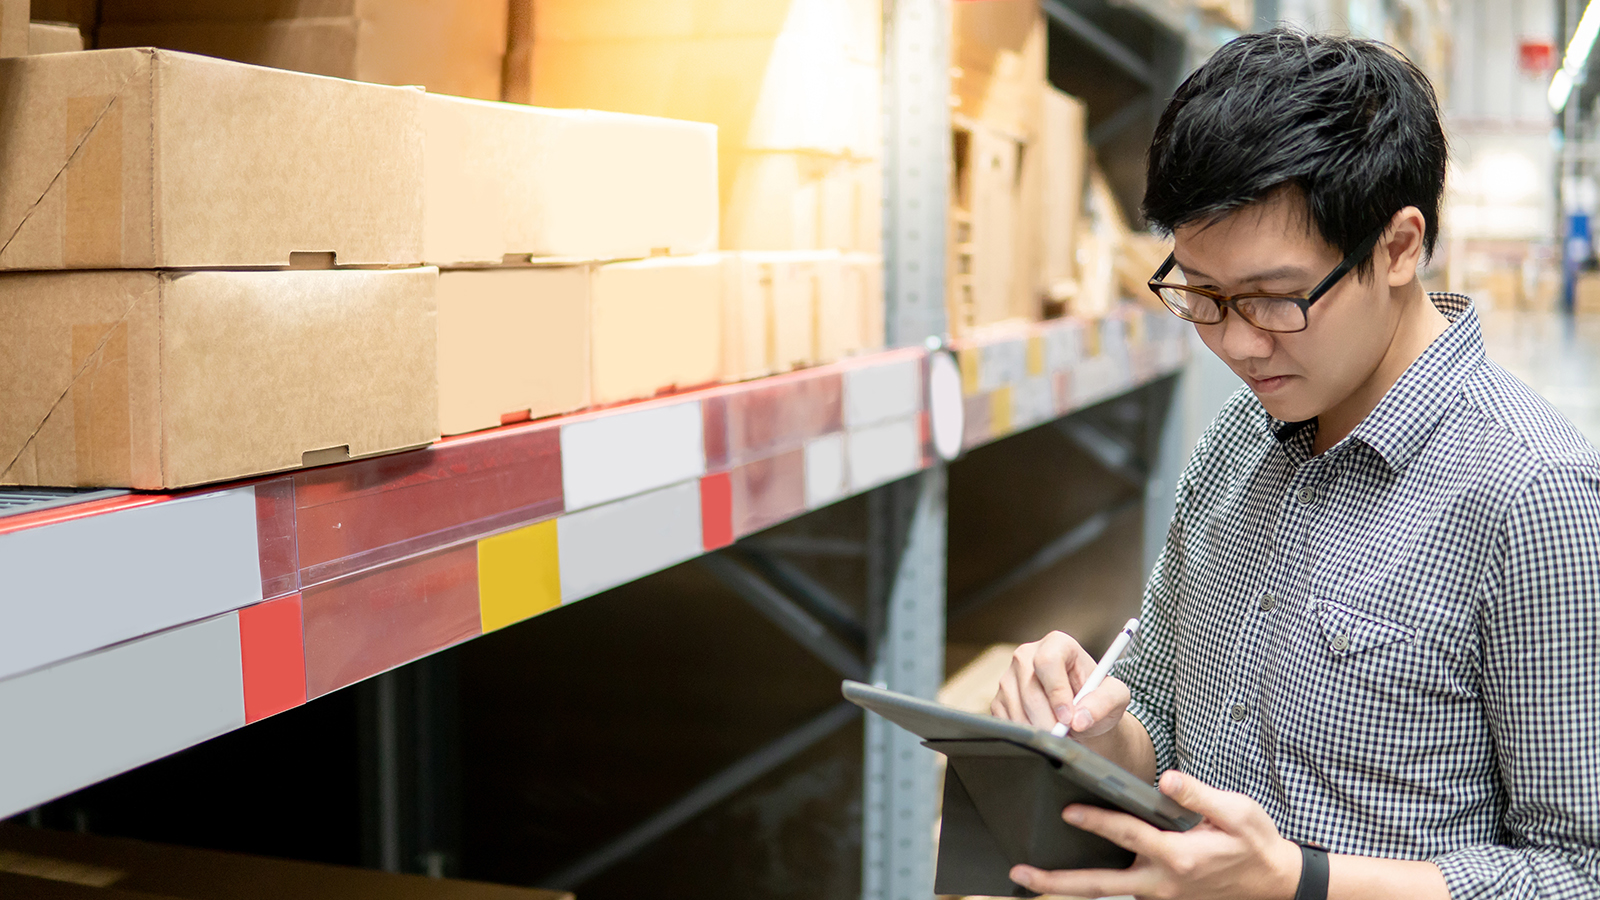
(1226, 302)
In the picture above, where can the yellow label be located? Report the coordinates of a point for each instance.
(1035, 354)
(519, 575)
(968, 358)
(1000, 411)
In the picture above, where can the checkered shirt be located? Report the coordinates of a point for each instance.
(1393, 646)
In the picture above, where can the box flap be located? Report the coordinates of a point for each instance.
(75, 151)
(82, 379)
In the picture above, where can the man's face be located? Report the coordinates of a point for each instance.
(1270, 246)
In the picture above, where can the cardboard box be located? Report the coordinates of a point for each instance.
(1064, 156)
(141, 379)
(792, 91)
(861, 286)
(447, 47)
(83, 13)
(1586, 293)
(985, 210)
(998, 48)
(746, 320)
(786, 309)
(797, 75)
(772, 308)
(802, 201)
(655, 325)
(14, 27)
(53, 37)
(131, 868)
(504, 179)
(120, 159)
(856, 26)
(513, 345)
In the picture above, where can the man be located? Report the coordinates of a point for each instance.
(1375, 626)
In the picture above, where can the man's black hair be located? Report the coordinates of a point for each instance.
(1351, 123)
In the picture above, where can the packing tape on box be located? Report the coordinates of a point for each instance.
(102, 429)
(91, 236)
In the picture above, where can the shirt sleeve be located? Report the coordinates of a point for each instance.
(1146, 667)
(1540, 682)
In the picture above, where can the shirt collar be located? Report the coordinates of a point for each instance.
(1397, 428)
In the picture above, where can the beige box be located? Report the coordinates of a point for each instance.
(771, 323)
(82, 13)
(13, 28)
(449, 47)
(123, 869)
(859, 326)
(983, 247)
(800, 201)
(146, 158)
(1064, 156)
(787, 309)
(53, 37)
(792, 76)
(999, 52)
(1585, 293)
(503, 179)
(855, 25)
(513, 345)
(141, 379)
(655, 325)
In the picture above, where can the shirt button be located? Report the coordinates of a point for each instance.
(1268, 602)
(1238, 712)
(1307, 496)
(1341, 642)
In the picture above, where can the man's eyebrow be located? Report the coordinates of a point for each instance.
(1268, 275)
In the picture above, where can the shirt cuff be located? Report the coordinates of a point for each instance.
(1160, 733)
(1485, 871)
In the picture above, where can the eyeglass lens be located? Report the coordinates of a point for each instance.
(1267, 313)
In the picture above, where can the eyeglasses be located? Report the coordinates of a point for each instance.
(1281, 313)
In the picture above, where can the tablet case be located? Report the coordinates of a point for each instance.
(1003, 798)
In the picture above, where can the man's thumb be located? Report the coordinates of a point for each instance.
(1192, 793)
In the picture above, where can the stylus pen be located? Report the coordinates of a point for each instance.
(1102, 670)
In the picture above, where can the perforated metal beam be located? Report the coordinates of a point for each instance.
(907, 527)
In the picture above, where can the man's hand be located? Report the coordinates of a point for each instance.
(1043, 678)
(1235, 854)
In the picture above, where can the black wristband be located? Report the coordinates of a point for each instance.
(1313, 873)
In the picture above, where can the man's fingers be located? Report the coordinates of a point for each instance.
(1104, 703)
(1052, 666)
(1119, 828)
(1084, 882)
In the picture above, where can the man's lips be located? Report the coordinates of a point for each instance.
(1266, 384)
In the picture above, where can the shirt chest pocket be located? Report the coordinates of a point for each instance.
(1345, 632)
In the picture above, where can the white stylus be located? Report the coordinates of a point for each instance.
(1101, 671)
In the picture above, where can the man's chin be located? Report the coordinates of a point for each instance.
(1285, 409)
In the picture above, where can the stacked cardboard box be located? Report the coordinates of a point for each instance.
(996, 237)
(793, 88)
(53, 37)
(13, 28)
(446, 46)
(527, 210)
(40, 864)
(138, 353)
(1030, 230)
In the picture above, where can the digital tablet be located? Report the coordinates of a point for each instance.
(1005, 788)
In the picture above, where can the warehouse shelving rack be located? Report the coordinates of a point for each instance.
(141, 624)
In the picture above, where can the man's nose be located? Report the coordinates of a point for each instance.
(1241, 340)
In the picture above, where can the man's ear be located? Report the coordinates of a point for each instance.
(1401, 246)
